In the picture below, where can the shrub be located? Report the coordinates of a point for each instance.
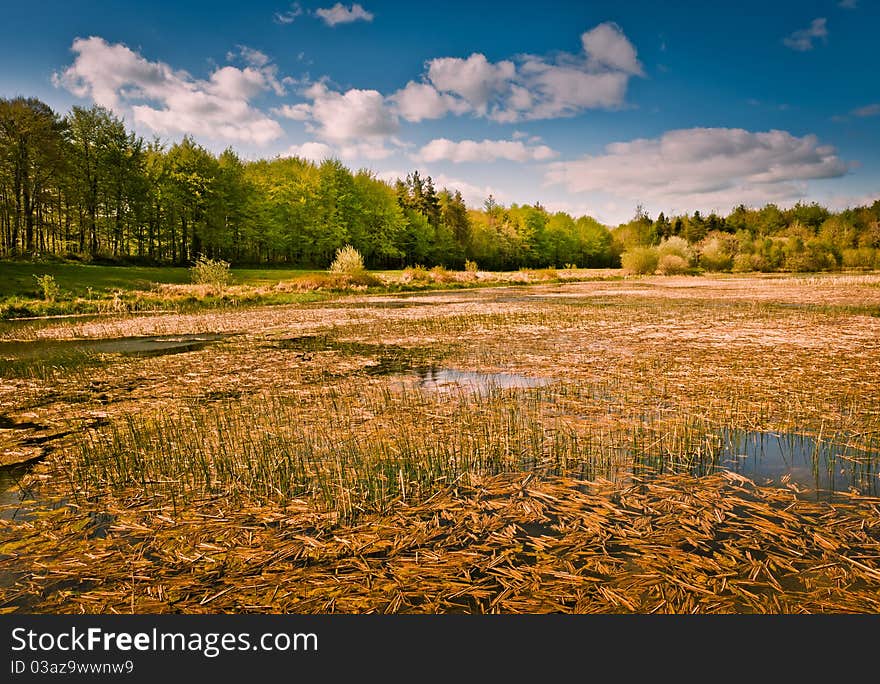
(812, 255)
(416, 274)
(213, 272)
(334, 282)
(640, 260)
(48, 287)
(541, 273)
(742, 263)
(715, 255)
(863, 257)
(470, 266)
(676, 246)
(672, 264)
(441, 275)
(348, 261)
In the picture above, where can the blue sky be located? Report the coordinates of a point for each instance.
(590, 107)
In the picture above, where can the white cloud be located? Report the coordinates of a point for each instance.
(290, 15)
(356, 124)
(567, 90)
(318, 151)
(313, 151)
(531, 87)
(372, 150)
(802, 40)
(475, 79)
(297, 112)
(474, 195)
(607, 47)
(169, 101)
(340, 14)
(441, 149)
(352, 116)
(702, 167)
(848, 4)
(419, 101)
(252, 57)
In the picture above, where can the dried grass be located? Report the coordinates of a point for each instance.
(510, 544)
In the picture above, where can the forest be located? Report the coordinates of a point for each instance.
(81, 186)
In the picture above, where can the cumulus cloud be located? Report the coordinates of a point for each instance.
(529, 86)
(169, 101)
(372, 150)
(346, 117)
(419, 101)
(442, 149)
(313, 151)
(606, 46)
(297, 112)
(702, 167)
(802, 40)
(355, 124)
(475, 79)
(340, 14)
(848, 4)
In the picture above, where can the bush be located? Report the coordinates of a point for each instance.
(416, 274)
(673, 264)
(441, 275)
(334, 282)
(676, 246)
(48, 287)
(715, 255)
(640, 260)
(742, 263)
(213, 272)
(348, 261)
(812, 255)
(470, 266)
(863, 257)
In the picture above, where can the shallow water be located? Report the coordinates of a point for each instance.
(154, 345)
(13, 499)
(444, 379)
(828, 465)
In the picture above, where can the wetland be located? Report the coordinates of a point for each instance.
(657, 444)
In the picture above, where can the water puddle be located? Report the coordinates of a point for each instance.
(387, 359)
(446, 379)
(399, 303)
(155, 345)
(14, 500)
(820, 465)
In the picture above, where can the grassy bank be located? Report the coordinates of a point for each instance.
(95, 289)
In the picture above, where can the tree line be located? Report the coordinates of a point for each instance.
(82, 186)
(804, 237)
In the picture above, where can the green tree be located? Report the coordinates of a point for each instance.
(31, 153)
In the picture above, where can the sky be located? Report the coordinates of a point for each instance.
(586, 107)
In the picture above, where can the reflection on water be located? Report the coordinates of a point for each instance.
(154, 345)
(13, 499)
(442, 379)
(823, 465)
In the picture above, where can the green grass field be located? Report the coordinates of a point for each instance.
(17, 279)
